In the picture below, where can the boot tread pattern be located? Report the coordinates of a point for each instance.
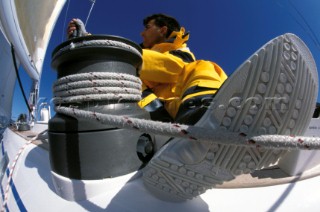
(278, 92)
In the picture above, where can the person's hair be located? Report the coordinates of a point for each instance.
(161, 20)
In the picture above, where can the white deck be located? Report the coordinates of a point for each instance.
(265, 190)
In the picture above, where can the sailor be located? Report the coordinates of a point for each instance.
(176, 86)
(273, 92)
(172, 76)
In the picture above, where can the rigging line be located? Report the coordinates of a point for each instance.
(19, 80)
(93, 2)
(304, 24)
(309, 28)
(64, 23)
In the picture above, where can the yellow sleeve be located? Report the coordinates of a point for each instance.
(160, 67)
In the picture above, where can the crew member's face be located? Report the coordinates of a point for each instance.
(153, 34)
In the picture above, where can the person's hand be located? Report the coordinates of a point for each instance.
(76, 28)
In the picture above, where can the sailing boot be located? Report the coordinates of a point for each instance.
(273, 92)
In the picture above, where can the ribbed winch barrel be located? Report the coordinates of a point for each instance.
(95, 73)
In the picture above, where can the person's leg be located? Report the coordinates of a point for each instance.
(273, 92)
(152, 104)
(191, 110)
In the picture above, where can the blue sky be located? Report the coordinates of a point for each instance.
(226, 32)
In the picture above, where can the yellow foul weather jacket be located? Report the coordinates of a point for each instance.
(170, 69)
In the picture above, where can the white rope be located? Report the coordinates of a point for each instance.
(96, 97)
(97, 76)
(93, 1)
(195, 133)
(105, 42)
(97, 83)
(97, 90)
(184, 131)
(70, 89)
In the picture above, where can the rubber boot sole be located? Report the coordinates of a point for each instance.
(273, 92)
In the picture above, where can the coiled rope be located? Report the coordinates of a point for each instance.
(92, 43)
(97, 87)
(70, 89)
